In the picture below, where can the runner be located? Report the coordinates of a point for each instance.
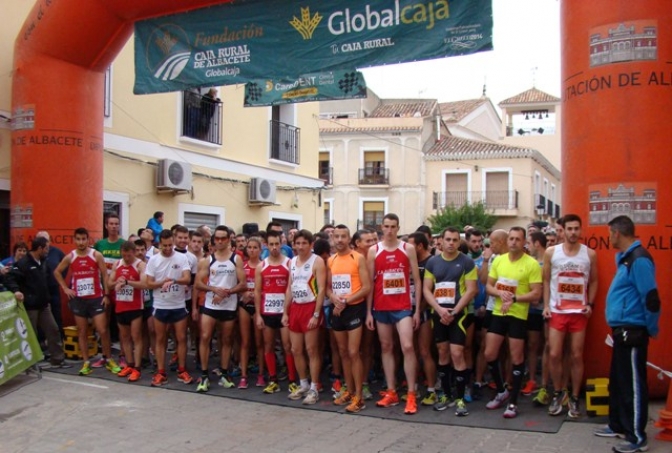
(246, 313)
(303, 314)
(515, 281)
(391, 263)
(88, 296)
(168, 272)
(226, 278)
(570, 287)
(270, 287)
(348, 284)
(449, 286)
(126, 280)
(148, 333)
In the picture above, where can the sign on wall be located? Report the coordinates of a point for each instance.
(249, 40)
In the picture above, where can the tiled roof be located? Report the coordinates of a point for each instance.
(531, 96)
(451, 148)
(456, 111)
(395, 108)
(353, 125)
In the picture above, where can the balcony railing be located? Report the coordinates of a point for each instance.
(201, 117)
(374, 175)
(491, 199)
(327, 175)
(285, 142)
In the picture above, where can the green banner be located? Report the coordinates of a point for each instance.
(249, 40)
(19, 348)
(322, 86)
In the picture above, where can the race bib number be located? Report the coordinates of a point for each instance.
(274, 303)
(147, 295)
(507, 284)
(125, 294)
(444, 293)
(84, 287)
(250, 285)
(571, 292)
(301, 294)
(172, 289)
(394, 283)
(341, 284)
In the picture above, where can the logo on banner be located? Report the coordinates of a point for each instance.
(168, 52)
(307, 25)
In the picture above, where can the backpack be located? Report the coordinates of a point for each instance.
(639, 252)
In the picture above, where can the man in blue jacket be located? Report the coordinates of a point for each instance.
(632, 311)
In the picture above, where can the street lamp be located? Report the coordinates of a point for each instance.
(540, 210)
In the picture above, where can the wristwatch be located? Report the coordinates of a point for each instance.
(316, 315)
(515, 299)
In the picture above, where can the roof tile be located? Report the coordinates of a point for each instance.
(531, 96)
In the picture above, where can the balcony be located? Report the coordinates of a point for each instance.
(285, 142)
(327, 175)
(496, 200)
(374, 176)
(201, 118)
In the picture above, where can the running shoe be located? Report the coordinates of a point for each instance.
(112, 366)
(320, 387)
(556, 404)
(292, 387)
(467, 394)
(498, 400)
(366, 392)
(311, 398)
(236, 371)
(86, 369)
(203, 384)
(629, 447)
(356, 405)
(606, 431)
(389, 399)
(122, 361)
(261, 382)
(159, 379)
(430, 399)
(565, 398)
(511, 411)
(298, 393)
(443, 402)
(125, 372)
(99, 363)
(574, 410)
(344, 399)
(336, 385)
(542, 398)
(411, 404)
(242, 384)
(226, 382)
(272, 387)
(134, 376)
(477, 391)
(529, 388)
(217, 371)
(461, 408)
(184, 377)
(282, 375)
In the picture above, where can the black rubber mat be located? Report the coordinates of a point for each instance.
(530, 418)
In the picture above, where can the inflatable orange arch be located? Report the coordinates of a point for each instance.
(616, 91)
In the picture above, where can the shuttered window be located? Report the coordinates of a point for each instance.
(193, 220)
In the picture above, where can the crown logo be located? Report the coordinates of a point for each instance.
(307, 25)
(166, 42)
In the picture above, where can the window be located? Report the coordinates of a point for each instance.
(373, 211)
(193, 215)
(374, 171)
(193, 220)
(287, 224)
(497, 193)
(327, 212)
(457, 190)
(202, 115)
(325, 172)
(284, 135)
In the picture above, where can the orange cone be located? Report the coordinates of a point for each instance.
(665, 420)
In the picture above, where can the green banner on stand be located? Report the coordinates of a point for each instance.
(19, 348)
(246, 40)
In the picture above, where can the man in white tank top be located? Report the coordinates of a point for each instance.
(570, 286)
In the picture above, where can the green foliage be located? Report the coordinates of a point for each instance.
(474, 214)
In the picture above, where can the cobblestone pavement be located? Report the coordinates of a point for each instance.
(63, 413)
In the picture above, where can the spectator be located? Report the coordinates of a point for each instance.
(155, 223)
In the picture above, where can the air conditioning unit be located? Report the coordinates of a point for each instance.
(262, 191)
(173, 175)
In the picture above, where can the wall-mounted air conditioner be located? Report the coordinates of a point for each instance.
(173, 175)
(262, 191)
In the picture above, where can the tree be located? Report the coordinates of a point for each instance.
(474, 214)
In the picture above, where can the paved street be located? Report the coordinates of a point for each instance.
(63, 413)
